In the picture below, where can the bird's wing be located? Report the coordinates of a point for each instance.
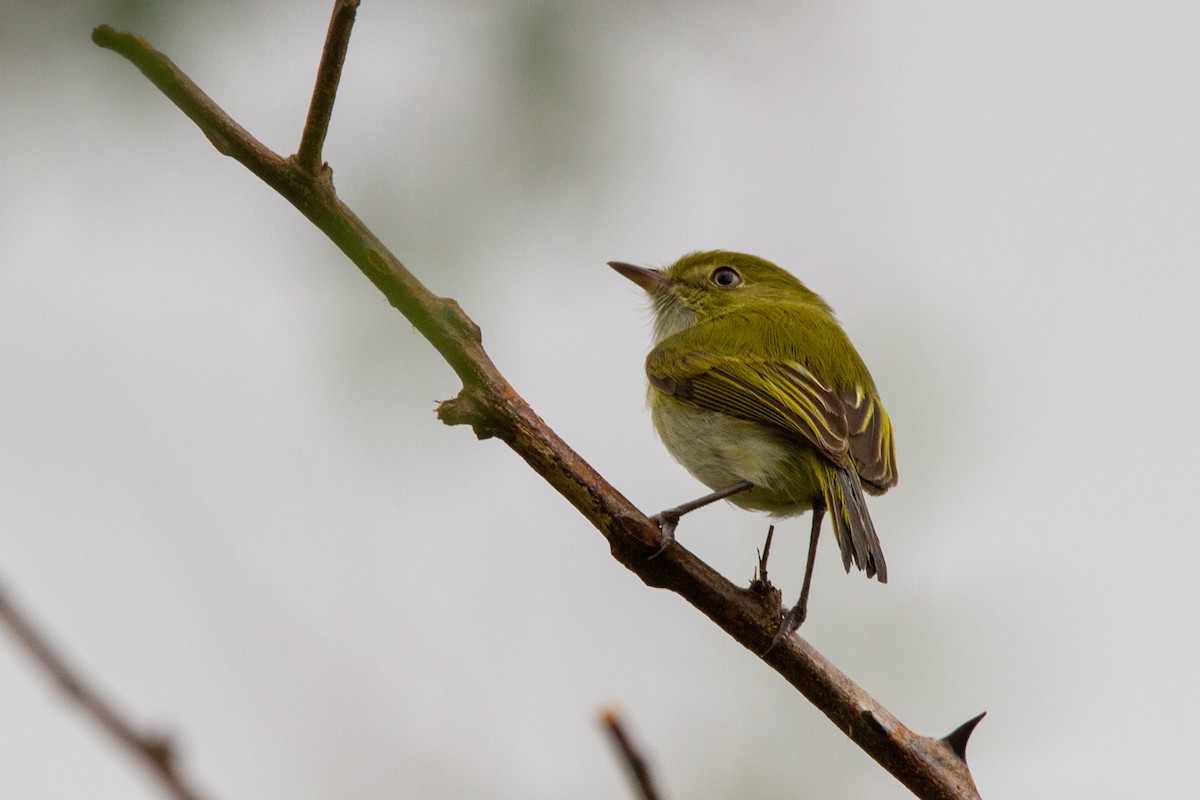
(782, 394)
(871, 443)
(847, 425)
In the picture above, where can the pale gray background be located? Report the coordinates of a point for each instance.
(224, 493)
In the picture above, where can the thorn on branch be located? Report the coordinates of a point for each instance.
(957, 739)
(761, 587)
(760, 581)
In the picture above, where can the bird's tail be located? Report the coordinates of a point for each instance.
(852, 524)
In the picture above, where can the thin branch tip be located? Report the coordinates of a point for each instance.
(118, 41)
(329, 75)
(635, 763)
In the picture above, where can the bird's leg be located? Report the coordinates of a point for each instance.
(667, 520)
(795, 618)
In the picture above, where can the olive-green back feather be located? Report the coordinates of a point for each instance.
(799, 374)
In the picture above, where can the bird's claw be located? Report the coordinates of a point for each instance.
(666, 524)
(791, 621)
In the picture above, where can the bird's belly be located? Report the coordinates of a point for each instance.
(720, 451)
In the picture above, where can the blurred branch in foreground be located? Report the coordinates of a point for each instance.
(931, 767)
(153, 750)
(635, 762)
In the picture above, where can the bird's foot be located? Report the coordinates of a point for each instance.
(666, 522)
(791, 621)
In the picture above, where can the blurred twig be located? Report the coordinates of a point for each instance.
(635, 762)
(492, 407)
(153, 750)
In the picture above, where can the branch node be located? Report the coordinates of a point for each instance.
(220, 143)
(452, 314)
(468, 408)
(873, 722)
(377, 262)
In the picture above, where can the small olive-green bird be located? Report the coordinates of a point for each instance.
(758, 392)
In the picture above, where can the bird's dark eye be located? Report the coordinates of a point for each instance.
(725, 277)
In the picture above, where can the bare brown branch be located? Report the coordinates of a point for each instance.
(635, 762)
(490, 405)
(320, 110)
(153, 750)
